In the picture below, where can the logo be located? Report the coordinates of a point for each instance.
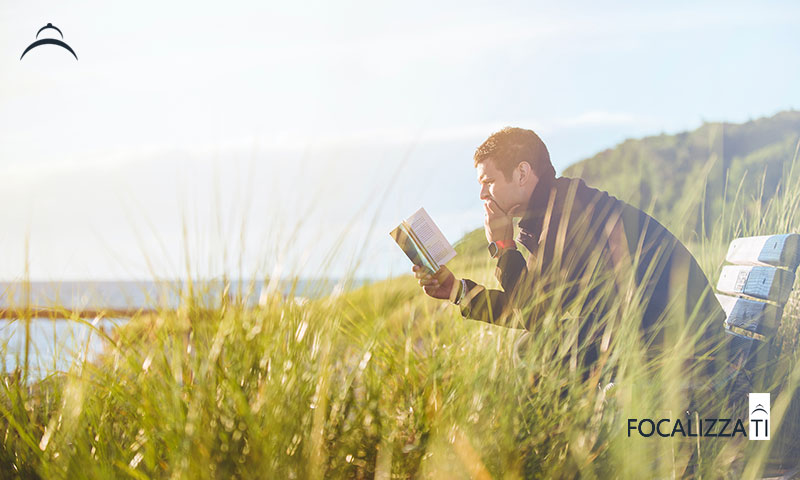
(709, 427)
(49, 41)
(759, 416)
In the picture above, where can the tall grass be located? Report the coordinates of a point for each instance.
(383, 382)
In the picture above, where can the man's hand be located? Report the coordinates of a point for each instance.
(499, 224)
(439, 285)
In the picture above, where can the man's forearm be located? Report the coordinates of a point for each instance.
(493, 306)
(490, 306)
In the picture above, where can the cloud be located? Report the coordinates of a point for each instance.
(289, 141)
(600, 119)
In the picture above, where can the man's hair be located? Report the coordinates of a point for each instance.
(511, 146)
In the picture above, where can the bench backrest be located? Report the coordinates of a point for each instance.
(756, 286)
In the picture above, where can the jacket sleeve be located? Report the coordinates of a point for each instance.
(494, 306)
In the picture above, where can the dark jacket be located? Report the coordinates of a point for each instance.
(588, 249)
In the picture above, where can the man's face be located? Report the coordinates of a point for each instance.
(506, 193)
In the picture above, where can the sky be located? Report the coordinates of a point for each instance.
(263, 138)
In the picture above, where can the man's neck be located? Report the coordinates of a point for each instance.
(540, 193)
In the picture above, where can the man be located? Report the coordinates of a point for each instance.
(591, 255)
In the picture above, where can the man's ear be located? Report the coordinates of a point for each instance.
(525, 172)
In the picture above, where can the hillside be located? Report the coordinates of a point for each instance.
(661, 173)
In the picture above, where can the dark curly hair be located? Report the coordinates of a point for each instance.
(510, 146)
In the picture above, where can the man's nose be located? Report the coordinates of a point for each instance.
(484, 195)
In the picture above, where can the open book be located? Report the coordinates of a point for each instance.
(423, 242)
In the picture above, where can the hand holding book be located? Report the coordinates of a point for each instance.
(426, 247)
(441, 285)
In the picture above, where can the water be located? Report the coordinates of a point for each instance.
(56, 343)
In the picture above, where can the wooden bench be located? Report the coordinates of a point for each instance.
(754, 289)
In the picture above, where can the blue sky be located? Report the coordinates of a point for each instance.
(316, 124)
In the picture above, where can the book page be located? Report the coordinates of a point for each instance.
(410, 248)
(431, 237)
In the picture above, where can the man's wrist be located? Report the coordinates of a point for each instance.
(506, 244)
(497, 248)
(458, 292)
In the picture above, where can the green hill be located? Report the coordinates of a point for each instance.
(657, 173)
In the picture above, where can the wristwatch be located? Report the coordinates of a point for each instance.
(496, 247)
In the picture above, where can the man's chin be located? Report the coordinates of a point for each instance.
(515, 210)
(498, 206)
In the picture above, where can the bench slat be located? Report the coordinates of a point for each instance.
(767, 250)
(766, 283)
(751, 315)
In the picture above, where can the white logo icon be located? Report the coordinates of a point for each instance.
(759, 416)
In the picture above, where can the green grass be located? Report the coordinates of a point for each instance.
(383, 382)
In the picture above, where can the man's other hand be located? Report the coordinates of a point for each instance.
(440, 285)
(499, 224)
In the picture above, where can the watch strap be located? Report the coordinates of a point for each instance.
(504, 244)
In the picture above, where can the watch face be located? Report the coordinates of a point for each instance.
(493, 249)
